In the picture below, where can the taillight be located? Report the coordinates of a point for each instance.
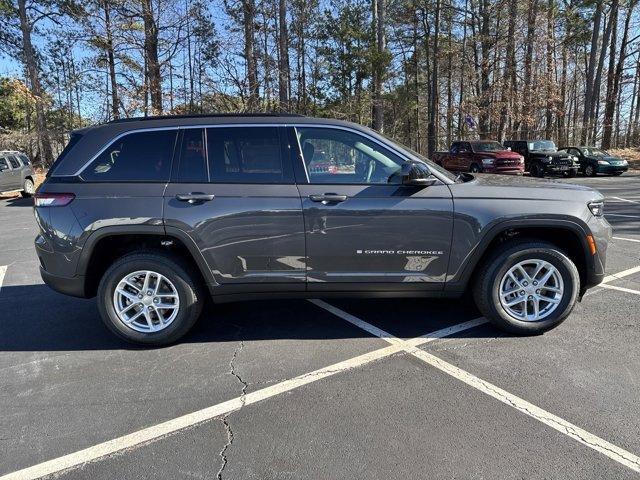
(53, 199)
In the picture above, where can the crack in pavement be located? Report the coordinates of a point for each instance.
(224, 419)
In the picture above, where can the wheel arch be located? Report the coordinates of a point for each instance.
(570, 235)
(107, 244)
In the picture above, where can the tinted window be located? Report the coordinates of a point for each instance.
(14, 162)
(246, 155)
(193, 157)
(3, 164)
(338, 156)
(136, 157)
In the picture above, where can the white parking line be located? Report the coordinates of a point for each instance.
(619, 275)
(3, 271)
(621, 289)
(625, 200)
(620, 215)
(146, 435)
(594, 442)
(626, 239)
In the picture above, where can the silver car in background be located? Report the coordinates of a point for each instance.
(16, 173)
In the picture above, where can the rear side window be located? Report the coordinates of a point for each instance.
(247, 155)
(14, 162)
(136, 157)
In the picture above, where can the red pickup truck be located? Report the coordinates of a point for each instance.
(480, 156)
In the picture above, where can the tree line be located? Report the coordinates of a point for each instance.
(425, 72)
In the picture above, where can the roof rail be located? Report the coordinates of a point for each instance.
(205, 115)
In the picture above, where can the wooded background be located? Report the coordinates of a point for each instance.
(424, 72)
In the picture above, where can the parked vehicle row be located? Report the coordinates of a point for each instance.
(16, 173)
(152, 215)
(538, 157)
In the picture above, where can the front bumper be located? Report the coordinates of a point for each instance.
(609, 169)
(560, 169)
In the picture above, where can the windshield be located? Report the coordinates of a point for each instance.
(542, 145)
(487, 147)
(595, 152)
(422, 158)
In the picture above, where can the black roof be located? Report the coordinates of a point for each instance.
(206, 115)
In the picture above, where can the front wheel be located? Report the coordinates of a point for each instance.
(527, 288)
(475, 168)
(149, 298)
(536, 171)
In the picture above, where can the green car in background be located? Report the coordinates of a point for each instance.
(594, 160)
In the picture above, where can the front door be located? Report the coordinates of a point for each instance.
(233, 193)
(364, 230)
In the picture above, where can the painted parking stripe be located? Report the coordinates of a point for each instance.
(594, 442)
(621, 289)
(3, 271)
(627, 239)
(620, 215)
(622, 274)
(625, 200)
(146, 435)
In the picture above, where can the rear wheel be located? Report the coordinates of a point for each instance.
(28, 188)
(149, 298)
(527, 288)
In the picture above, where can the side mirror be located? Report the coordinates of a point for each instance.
(416, 174)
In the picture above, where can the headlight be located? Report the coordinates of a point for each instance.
(521, 159)
(487, 161)
(624, 162)
(548, 159)
(597, 208)
(603, 162)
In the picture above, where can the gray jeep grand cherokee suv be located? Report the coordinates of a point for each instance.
(150, 214)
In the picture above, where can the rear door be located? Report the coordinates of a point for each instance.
(364, 230)
(233, 193)
(14, 177)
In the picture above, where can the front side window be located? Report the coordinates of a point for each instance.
(338, 156)
(136, 157)
(247, 155)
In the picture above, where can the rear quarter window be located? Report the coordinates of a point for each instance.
(135, 157)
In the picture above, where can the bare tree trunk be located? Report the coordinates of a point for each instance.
(610, 97)
(283, 50)
(531, 30)
(590, 80)
(594, 104)
(151, 51)
(377, 114)
(115, 102)
(509, 77)
(550, 77)
(433, 97)
(612, 100)
(249, 9)
(29, 57)
(485, 46)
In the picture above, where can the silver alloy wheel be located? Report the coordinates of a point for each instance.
(29, 187)
(531, 290)
(146, 301)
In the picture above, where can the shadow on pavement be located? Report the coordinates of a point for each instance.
(35, 318)
(17, 201)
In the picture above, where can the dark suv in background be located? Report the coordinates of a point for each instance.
(541, 158)
(152, 215)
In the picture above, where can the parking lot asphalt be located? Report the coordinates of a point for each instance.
(295, 389)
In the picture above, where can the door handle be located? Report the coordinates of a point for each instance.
(328, 198)
(195, 197)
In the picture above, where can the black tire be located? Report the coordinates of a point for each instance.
(474, 168)
(536, 171)
(589, 171)
(486, 289)
(28, 188)
(190, 293)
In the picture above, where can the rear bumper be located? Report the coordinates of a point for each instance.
(73, 286)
